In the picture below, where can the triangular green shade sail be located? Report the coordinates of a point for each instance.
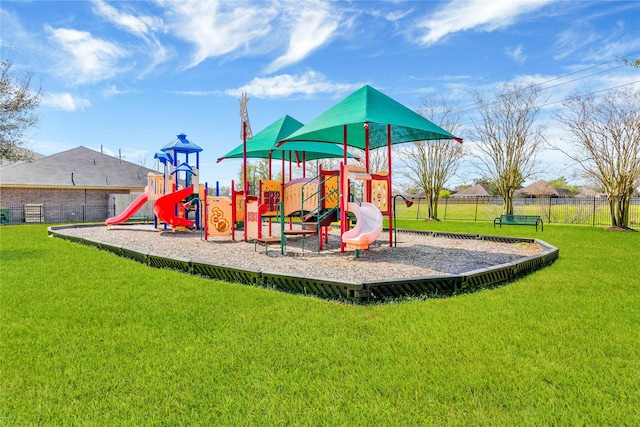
(368, 105)
(264, 142)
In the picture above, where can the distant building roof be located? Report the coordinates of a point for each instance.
(478, 190)
(539, 189)
(79, 167)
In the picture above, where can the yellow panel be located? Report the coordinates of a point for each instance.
(239, 202)
(331, 184)
(379, 189)
(156, 182)
(271, 196)
(218, 216)
(310, 196)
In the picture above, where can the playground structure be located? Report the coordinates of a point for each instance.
(316, 201)
(175, 192)
(367, 119)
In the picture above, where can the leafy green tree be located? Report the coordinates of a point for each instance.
(256, 172)
(562, 183)
(17, 111)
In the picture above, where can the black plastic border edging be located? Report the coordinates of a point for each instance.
(446, 285)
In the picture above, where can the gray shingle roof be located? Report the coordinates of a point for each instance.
(79, 167)
(478, 190)
(538, 188)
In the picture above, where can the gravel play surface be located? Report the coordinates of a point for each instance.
(415, 255)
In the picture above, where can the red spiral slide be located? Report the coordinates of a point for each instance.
(165, 208)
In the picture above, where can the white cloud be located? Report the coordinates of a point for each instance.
(113, 91)
(143, 26)
(139, 25)
(312, 27)
(217, 28)
(88, 59)
(195, 92)
(481, 15)
(516, 54)
(64, 101)
(11, 26)
(573, 39)
(286, 85)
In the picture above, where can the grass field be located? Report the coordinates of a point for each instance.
(87, 337)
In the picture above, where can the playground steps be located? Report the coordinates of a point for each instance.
(303, 232)
(266, 241)
(327, 216)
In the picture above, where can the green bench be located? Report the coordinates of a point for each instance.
(519, 220)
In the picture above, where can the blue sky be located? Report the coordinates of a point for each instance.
(129, 76)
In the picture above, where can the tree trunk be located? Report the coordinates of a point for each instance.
(508, 204)
(620, 213)
(432, 202)
(435, 207)
(619, 209)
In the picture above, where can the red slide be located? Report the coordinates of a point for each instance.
(131, 209)
(165, 208)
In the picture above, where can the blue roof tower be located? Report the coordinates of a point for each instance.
(182, 145)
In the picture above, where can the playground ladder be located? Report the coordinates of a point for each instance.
(319, 216)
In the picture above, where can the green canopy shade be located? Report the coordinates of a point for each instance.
(263, 145)
(368, 105)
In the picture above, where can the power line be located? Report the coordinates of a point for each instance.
(561, 53)
(471, 107)
(593, 93)
(562, 100)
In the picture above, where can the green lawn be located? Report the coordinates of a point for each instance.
(87, 337)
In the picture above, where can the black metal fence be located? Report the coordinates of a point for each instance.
(52, 213)
(586, 211)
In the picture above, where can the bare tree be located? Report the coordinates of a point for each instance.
(606, 134)
(428, 165)
(334, 163)
(508, 138)
(255, 172)
(17, 105)
(378, 160)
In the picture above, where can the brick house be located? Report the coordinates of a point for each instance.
(74, 185)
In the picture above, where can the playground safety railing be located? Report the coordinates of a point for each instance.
(317, 212)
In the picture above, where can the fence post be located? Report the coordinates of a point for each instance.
(476, 217)
(446, 203)
(418, 213)
(594, 211)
